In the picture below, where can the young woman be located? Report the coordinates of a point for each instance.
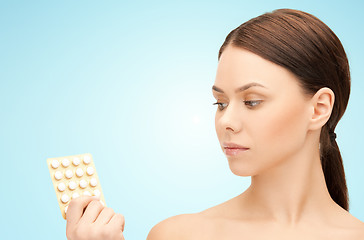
(282, 85)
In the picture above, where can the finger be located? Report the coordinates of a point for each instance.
(117, 221)
(76, 207)
(105, 216)
(92, 211)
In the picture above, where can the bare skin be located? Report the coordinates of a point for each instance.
(288, 197)
(219, 222)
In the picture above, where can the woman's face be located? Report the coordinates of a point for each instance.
(268, 115)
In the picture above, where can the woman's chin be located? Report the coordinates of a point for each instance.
(242, 171)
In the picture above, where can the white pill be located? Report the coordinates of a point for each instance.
(72, 185)
(76, 161)
(79, 172)
(97, 192)
(61, 187)
(90, 171)
(55, 163)
(65, 209)
(87, 159)
(86, 193)
(75, 195)
(58, 175)
(93, 182)
(65, 162)
(69, 173)
(65, 198)
(83, 183)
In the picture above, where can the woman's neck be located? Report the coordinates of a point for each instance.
(290, 192)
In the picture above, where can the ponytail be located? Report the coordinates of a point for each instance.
(332, 166)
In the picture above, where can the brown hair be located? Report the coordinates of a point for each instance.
(301, 43)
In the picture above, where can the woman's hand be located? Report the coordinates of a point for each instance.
(93, 223)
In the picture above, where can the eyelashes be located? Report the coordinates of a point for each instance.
(252, 103)
(219, 105)
(249, 104)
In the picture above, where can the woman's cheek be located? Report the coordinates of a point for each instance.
(281, 129)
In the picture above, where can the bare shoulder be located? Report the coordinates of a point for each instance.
(354, 227)
(360, 229)
(179, 227)
(201, 225)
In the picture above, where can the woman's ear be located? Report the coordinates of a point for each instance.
(321, 104)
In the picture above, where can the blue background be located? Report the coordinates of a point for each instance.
(130, 83)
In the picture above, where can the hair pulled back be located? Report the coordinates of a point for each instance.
(304, 45)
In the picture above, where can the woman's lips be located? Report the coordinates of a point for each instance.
(234, 151)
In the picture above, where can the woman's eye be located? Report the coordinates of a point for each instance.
(252, 103)
(221, 106)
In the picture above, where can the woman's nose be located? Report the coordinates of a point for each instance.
(230, 119)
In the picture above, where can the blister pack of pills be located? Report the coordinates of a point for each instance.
(73, 176)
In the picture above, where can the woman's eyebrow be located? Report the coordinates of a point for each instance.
(240, 89)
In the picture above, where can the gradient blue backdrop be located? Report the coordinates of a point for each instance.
(130, 83)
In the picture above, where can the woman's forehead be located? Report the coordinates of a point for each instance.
(238, 67)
